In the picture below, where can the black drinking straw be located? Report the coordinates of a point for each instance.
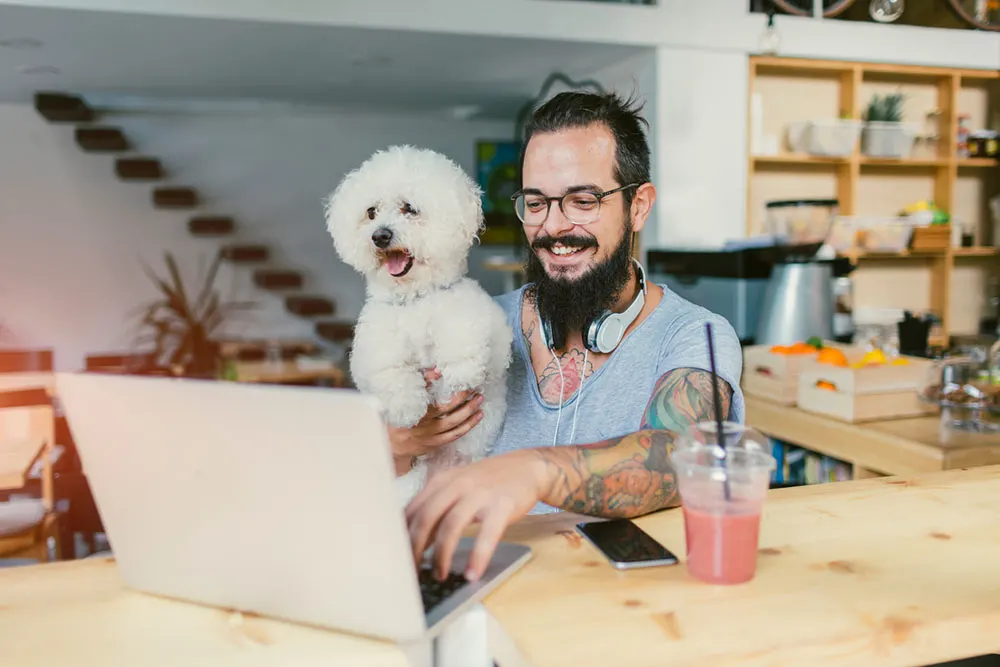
(717, 400)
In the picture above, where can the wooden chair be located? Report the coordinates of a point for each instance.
(27, 440)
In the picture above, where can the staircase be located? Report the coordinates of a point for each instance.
(132, 167)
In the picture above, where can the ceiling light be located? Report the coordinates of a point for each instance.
(21, 43)
(38, 69)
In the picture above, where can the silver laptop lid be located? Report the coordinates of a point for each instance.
(275, 500)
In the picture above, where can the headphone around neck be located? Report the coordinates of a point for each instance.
(606, 331)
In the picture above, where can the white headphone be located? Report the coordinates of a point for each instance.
(606, 331)
(604, 334)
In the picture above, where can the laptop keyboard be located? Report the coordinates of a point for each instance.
(434, 592)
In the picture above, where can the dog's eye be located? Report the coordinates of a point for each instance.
(406, 209)
(371, 213)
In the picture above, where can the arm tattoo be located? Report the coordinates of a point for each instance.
(632, 475)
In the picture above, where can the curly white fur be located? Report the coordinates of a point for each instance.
(433, 316)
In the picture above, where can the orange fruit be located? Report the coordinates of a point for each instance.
(832, 356)
(801, 348)
(827, 386)
(779, 349)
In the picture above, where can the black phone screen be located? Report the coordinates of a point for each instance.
(624, 542)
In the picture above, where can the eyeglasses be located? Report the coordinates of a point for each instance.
(580, 208)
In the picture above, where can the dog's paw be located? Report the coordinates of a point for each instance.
(461, 377)
(405, 411)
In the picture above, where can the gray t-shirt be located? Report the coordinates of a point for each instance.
(614, 398)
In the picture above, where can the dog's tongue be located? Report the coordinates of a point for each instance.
(396, 261)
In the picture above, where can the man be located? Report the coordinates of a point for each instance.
(585, 431)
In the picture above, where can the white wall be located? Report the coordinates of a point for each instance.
(709, 24)
(72, 235)
(638, 76)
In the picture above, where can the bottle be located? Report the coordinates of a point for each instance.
(963, 134)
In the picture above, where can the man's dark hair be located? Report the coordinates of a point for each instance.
(621, 116)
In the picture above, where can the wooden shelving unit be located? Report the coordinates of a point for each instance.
(817, 89)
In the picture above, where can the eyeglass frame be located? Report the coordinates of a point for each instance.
(548, 201)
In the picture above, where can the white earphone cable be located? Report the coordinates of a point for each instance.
(579, 396)
(562, 388)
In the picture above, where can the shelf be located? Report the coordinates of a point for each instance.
(881, 256)
(865, 161)
(978, 162)
(983, 251)
(862, 183)
(903, 163)
(792, 158)
(799, 66)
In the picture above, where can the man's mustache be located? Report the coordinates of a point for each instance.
(548, 242)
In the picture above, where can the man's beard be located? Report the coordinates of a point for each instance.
(570, 305)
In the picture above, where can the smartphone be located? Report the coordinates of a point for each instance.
(626, 545)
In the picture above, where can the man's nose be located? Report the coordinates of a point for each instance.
(382, 237)
(556, 223)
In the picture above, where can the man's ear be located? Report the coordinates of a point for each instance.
(642, 205)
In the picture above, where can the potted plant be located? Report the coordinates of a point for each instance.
(885, 135)
(180, 323)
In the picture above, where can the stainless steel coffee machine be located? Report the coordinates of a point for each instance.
(798, 303)
(773, 295)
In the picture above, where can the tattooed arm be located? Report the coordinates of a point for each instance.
(623, 477)
(632, 475)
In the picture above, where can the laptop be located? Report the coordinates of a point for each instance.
(268, 499)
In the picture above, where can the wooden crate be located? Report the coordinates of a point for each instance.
(871, 393)
(931, 239)
(774, 377)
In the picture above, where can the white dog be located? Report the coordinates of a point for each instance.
(405, 220)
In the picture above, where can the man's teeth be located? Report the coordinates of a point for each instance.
(559, 249)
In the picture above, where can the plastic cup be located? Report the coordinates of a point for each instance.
(722, 494)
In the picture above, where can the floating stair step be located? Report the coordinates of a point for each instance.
(278, 280)
(335, 332)
(138, 169)
(61, 108)
(175, 198)
(245, 254)
(101, 139)
(211, 226)
(309, 306)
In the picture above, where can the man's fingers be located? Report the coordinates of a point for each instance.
(448, 437)
(430, 375)
(458, 416)
(449, 532)
(490, 532)
(423, 523)
(456, 402)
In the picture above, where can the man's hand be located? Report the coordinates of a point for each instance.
(626, 476)
(442, 425)
(494, 493)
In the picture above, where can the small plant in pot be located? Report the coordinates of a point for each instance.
(885, 135)
(180, 324)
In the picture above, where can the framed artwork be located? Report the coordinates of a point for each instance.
(498, 174)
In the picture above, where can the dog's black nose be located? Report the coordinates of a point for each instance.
(382, 237)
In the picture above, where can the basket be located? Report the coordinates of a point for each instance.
(830, 138)
(844, 233)
(888, 140)
(888, 234)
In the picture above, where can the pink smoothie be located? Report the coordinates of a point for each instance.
(721, 548)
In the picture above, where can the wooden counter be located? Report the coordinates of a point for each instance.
(886, 572)
(893, 447)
